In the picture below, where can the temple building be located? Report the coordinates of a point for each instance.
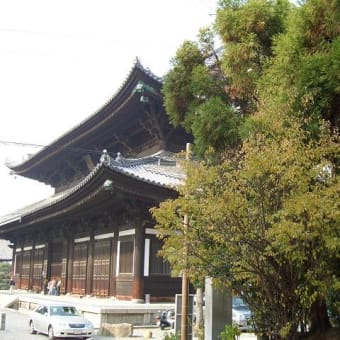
(96, 233)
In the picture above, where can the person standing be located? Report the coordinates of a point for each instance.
(58, 287)
(11, 285)
(52, 287)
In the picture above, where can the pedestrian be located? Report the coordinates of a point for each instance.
(52, 287)
(11, 285)
(58, 287)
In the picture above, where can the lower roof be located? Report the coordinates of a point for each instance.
(153, 178)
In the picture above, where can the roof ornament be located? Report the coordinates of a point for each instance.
(108, 185)
(119, 157)
(137, 61)
(105, 158)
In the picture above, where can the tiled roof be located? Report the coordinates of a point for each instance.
(46, 202)
(136, 65)
(159, 169)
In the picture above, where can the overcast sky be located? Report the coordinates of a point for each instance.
(61, 60)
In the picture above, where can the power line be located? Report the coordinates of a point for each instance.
(68, 148)
(5, 142)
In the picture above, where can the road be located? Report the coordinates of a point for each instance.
(16, 328)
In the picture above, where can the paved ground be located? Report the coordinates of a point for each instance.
(139, 332)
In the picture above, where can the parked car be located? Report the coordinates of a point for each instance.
(241, 314)
(60, 320)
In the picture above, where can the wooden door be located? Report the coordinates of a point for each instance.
(79, 268)
(25, 269)
(38, 262)
(56, 257)
(101, 267)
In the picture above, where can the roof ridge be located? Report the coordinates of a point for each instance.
(146, 70)
(138, 168)
(136, 64)
(120, 161)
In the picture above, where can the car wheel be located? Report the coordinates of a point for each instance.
(32, 330)
(50, 333)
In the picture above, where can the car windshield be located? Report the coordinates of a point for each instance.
(238, 302)
(63, 310)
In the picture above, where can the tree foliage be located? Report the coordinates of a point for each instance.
(5, 269)
(194, 94)
(247, 29)
(265, 221)
(303, 77)
(201, 73)
(268, 226)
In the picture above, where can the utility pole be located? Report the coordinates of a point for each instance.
(185, 280)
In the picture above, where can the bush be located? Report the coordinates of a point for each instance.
(230, 332)
(5, 270)
(171, 336)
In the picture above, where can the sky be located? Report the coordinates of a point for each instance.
(62, 60)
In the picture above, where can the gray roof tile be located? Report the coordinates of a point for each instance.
(159, 169)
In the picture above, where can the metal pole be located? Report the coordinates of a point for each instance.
(185, 281)
(3, 321)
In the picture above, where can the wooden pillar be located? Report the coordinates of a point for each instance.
(13, 262)
(89, 271)
(69, 267)
(48, 259)
(113, 264)
(64, 265)
(30, 278)
(19, 259)
(44, 268)
(138, 280)
(45, 262)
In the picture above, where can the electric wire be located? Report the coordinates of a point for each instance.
(67, 148)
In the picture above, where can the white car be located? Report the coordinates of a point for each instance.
(60, 320)
(241, 314)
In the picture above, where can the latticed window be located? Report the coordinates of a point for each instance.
(56, 260)
(158, 266)
(101, 267)
(26, 263)
(126, 257)
(38, 263)
(17, 263)
(79, 267)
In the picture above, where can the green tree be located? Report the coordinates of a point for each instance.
(266, 221)
(195, 96)
(210, 93)
(267, 226)
(247, 29)
(303, 76)
(177, 91)
(5, 270)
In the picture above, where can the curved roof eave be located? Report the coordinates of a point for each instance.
(147, 171)
(119, 96)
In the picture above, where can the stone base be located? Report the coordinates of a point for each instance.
(116, 330)
(148, 335)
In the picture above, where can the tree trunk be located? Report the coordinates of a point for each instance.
(319, 317)
(199, 313)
